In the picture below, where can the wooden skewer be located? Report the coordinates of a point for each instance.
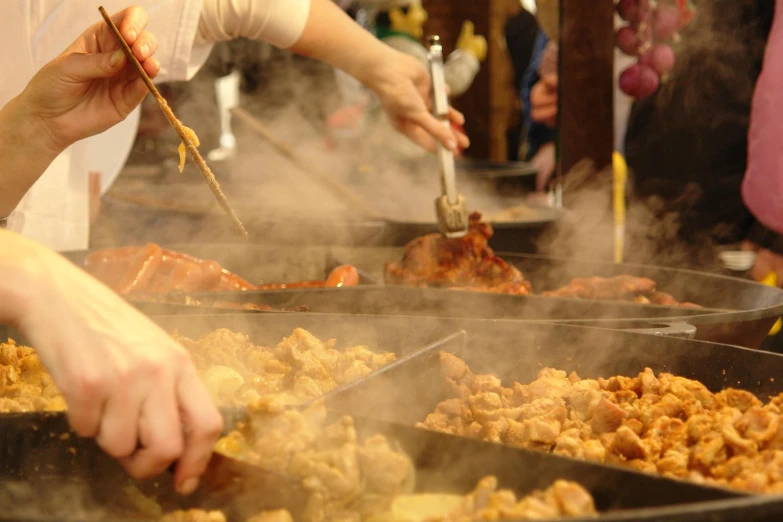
(349, 197)
(177, 125)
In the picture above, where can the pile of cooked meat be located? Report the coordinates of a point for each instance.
(469, 263)
(466, 263)
(235, 370)
(487, 502)
(299, 368)
(342, 476)
(24, 383)
(150, 269)
(348, 479)
(659, 424)
(618, 288)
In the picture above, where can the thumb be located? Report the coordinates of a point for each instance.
(468, 28)
(85, 67)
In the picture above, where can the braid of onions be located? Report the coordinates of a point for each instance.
(652, 26)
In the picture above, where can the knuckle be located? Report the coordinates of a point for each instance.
(88, 386)
(168, 450)
(117, 446)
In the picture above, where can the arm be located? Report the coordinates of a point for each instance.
(24, 154)
(113, 366)
(86, 90)
(320, 29)
(125, 381)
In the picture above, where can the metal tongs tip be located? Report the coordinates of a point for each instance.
(450, 206)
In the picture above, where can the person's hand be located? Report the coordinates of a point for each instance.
(403, 85)
(543, 101)
(125, 381)
(544, 162)
(767, 262)
(472, 43)
(92, 86)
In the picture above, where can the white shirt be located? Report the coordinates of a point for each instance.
(55, 211)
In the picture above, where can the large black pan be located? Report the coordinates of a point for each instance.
(737, 312)
(402, 394)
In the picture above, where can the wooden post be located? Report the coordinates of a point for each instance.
(586, 86)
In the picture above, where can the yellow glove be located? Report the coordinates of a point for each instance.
(472, 43)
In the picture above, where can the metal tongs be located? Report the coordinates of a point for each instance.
(450, 206)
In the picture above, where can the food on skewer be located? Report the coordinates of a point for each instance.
(150, 269)
(183, 150)
(661, 424)
(188, 137)
(618, 288)
(466, 263)
(236, 371)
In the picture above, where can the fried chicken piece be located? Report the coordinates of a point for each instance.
(467, 263)
(280, 515)
(301, 365)
(193, 515)
(487, 503)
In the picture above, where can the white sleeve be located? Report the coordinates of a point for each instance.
(55, 24)
(277, 22)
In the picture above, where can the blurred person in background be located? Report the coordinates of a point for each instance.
(521, 35)
(696, 145)
(55, 208)
(125, 382)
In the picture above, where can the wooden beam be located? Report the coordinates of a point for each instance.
(586, 82)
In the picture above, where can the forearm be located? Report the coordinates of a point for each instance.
(315, 28)
(24, 154)
(18, 263)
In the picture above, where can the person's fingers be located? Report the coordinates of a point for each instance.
(462, 140)
(545, 114)
(456, 116)
(416, 134)
(763, 266)
(151, 67)
(203, 424)
(550, 81)
(118, 435)
(160, 429)
(85, 67)
(86, 399)
(145, 46)
(131, 22)
(442, 133)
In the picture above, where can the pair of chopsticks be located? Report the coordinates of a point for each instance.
(177, 125)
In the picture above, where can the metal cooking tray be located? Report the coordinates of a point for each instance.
(589, 351)
(738, 312)
(517, 352)
(257, 263)
(444, 464)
